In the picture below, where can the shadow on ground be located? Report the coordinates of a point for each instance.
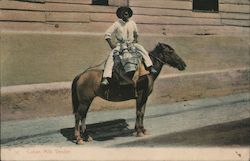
(236, 133)
(102, 131)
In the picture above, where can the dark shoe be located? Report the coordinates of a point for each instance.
(105, 82)
(136, 94)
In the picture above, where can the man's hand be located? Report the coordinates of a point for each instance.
(135, 37)
(112, 46)
(135, 41)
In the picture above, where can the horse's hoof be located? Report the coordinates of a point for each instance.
(140, 134)
(87, 138)
(90, 139)
(145, 132)
(79, 142)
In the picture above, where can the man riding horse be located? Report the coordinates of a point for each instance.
(126, 34)
(87, 85)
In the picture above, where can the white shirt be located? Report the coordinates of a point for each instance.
(123, 31)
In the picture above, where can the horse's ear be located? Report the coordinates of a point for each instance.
(159, 45)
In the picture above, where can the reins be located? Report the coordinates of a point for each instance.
(103, 62)
(91, 67)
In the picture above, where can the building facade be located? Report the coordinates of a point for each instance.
(152, 16)
(52, 40)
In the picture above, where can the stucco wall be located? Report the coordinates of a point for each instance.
(28, 58)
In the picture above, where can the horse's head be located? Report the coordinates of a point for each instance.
(168, 55)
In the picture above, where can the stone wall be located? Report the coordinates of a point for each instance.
(152, 16)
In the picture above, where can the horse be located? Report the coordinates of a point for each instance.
(87, 85)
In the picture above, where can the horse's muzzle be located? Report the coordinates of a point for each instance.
(181, 67)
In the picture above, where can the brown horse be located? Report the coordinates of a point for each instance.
(86, 86)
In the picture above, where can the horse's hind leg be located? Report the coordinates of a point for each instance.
(81, 116)
(84, 129)
(78, 137)
(83, 110)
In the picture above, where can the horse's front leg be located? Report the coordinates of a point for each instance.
(145, 132)
(140, 111)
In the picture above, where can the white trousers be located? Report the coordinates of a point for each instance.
(110, 62)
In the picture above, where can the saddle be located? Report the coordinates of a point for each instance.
(128, 68)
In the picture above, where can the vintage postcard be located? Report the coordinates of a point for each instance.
(125, 80)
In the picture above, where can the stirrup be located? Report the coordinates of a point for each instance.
(153, 71)
(105, 82)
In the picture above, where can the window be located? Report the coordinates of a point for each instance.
(206, 5)
(110, 2)
(100, 2)
(33, 1)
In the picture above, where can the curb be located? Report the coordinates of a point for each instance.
(54, 99)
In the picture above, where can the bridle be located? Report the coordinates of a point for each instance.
(157, 58)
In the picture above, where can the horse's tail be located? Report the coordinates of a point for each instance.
(75, 101)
